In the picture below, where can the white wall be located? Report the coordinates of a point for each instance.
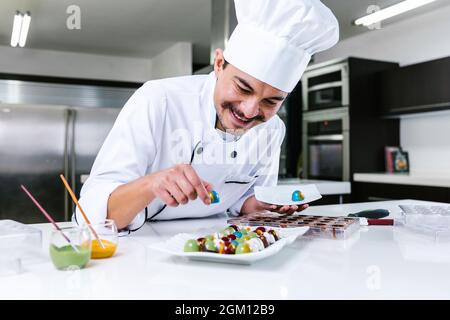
(421, 38)
(427, 138)
(174, 61)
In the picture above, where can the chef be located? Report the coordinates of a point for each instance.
(178, 139)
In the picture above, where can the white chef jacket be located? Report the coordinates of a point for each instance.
(172, 121)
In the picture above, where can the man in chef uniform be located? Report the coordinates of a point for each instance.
(177, 139)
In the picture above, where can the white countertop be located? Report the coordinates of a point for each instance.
(325, 187)
(401, 178)
(377, 262)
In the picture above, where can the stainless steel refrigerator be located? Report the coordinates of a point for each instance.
(37, 143)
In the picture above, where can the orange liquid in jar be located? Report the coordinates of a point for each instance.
(99, 253)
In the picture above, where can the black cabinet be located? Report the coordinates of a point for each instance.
(416, 88)
(365, 191)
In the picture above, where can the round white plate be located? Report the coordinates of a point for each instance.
(175, 246)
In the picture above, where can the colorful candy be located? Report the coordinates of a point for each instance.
(231, 237)
(238, 234)
(243, 248)
(298, 196)
(214, 196)
(234, 240)
(227, 231)
(191, 246)
(210, 246)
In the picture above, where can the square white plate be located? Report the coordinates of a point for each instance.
(175, 246)
(282, 195)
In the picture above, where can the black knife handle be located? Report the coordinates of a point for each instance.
(371, 214)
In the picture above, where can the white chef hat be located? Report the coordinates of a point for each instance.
(275, 39)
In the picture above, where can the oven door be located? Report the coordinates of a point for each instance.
(325, 157)
(324, 97)
(326, 145)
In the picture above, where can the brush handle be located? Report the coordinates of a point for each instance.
(74, 199)
(49, 218)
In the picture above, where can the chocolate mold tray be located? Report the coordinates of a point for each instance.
(319, 226)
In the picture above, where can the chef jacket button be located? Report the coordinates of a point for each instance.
(199, 150)
(234, 154)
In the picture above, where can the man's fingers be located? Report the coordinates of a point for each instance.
(292, 209)
(303, 207)
(187, 188)
(208, 186)
(283, 209)
(267, 206)
(165, 197)
(176, 192)
(197, 183)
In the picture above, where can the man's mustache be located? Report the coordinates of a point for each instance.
(230, 106)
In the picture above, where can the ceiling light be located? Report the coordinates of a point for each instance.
(391, 11)
(21, 25)
(24, 30)
(17, 24)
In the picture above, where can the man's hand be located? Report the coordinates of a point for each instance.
(251, 205)
(179, 184)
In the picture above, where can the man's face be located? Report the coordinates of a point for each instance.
(242, 101)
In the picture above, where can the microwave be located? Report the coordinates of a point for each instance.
(325, 87)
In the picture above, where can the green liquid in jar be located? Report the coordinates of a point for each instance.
(67, 258)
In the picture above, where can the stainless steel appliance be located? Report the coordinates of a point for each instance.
(343, 131)
(283, 114)
(90, 127)
(82, 93)
(43, 135)
(37, 143)
(326, 87)
(327, 145)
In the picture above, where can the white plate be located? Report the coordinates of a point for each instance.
(175, 246)
(282, 195)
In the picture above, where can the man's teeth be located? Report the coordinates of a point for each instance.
(240, 118)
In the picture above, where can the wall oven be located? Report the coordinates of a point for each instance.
(326, 152)
(325, 87)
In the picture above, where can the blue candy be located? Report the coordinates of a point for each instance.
(297, 196)
(235, 243)
(214, 196)
(238, 234)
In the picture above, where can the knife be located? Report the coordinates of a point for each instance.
(371, 214)
(374, 217)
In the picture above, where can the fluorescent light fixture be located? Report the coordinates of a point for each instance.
(21, 25)
(17, 25)
(24, 30)
(391, 11)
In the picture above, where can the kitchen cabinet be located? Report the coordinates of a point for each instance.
(366, 191)
(416, 88)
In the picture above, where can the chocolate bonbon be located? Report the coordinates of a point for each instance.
(297, 195)
(234, 240)
(214, 196)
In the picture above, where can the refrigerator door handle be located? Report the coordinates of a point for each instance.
(69, 162)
